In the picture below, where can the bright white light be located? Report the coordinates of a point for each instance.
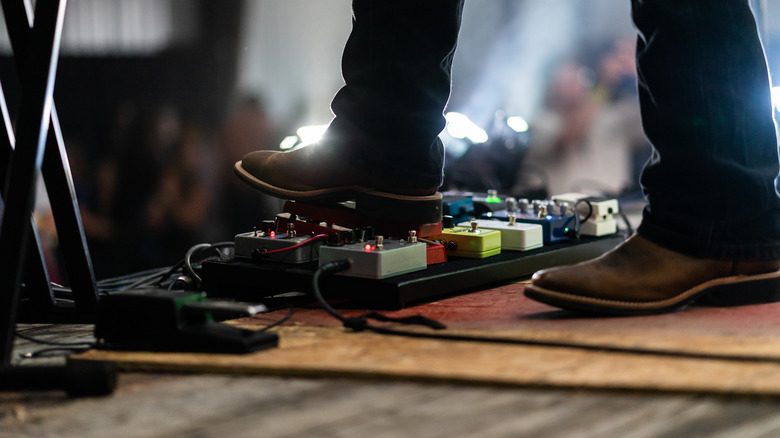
(459, 126)
(311, 134)
(776, 98)
(288, 142)
(517, 123)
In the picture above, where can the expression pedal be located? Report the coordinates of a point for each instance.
(470, 242)
(378, 258)
(515, 236)
(285, 247)
(344, 215)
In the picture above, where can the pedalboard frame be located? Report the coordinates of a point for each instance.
(244, 280)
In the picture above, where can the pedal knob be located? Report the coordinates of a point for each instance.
(511, 205)
(564, 208)
(537, 206)
(512, 220)
(523, 204)
(380, 242)
(290, 230)
(412, 236)
(474, 226)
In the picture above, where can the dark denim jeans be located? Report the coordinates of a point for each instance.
(704, 93)
(397, 67)
(706, 108)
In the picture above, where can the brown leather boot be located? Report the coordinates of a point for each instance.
(640, 277)
(315, 172)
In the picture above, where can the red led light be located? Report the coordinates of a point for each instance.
(369, 248)
(272, 234)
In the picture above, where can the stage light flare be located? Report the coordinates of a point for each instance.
(517, 123)
(311, 134)
(776, 98)
(288, 142)
(460, 126)
(305, 135)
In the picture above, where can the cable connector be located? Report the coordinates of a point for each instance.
(357, 324)
(336, 266)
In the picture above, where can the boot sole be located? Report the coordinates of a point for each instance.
(369, 202)
(737, 290)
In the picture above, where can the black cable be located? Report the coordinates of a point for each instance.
(590, 210)
(45, 351)
(172, 270)
(282, 320)
(58, 344)
(360, 322)
(293, 247)
(629, 228)
(146, 281)
(328, 268)
(200, 248)
(157, 277)
(129, 278)
(188, 264)
(69, 347)
(358, 325)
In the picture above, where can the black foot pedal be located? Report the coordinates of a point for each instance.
(162, 320)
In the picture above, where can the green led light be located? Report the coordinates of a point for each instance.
(493, 199)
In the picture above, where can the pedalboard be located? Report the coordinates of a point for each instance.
(414, 261)
(515, 236)
(378, 258)
(470, 241)
(249, 281)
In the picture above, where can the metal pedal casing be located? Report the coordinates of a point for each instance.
(470, 242)
(253, 244)
(379, 258)
(515, 236)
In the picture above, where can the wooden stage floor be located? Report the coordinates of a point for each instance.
(166, 405)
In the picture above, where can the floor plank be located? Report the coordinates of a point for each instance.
(163, 405)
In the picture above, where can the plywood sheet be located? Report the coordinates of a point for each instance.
(329, 351)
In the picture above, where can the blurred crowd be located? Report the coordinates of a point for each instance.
(164, 184)
(588, 136)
